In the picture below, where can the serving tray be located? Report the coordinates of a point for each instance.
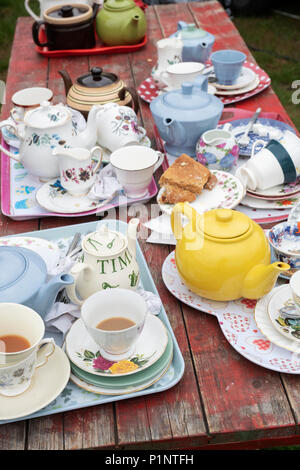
(73, 397)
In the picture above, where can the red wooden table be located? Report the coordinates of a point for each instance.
(262, 408)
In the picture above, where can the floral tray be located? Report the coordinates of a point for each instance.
(73, 397)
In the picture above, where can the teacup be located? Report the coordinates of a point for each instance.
(227, 65)
(134, 167)
(27, 99)
(295, 288)
(118, 127)
(17, 368)
(114, 303)
(278, 162)
(77, 168)
(177, 74)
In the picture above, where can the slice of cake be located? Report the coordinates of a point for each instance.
(173, 194)
(187, 174)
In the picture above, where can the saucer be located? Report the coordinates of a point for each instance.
(251, 86)
(227, 194)
(47, 383)
(278, 191)
(121, 391)
(284, 315)
(267, 326)
(84, 352)
(246, 77)
(261, 203)
(45, 248)
(133, 380)
(210, 89)
(53, 197)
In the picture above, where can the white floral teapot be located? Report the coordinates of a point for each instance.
(108, 261)
(45, 128)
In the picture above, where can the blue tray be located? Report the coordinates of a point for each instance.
(73, 397)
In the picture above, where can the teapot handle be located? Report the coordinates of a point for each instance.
(183, 208)
(71, 289)
(134, 96)
(3, 149)
(31, 13)
(35, 34)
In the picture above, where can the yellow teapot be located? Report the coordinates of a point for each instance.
(223, 254)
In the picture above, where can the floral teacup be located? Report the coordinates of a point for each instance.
(118, 127)
(218, 149)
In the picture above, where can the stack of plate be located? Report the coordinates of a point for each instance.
(247, 81)
(277, 318)
(150, 361)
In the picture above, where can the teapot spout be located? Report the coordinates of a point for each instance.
(88, 137)
(67, 80)
(261, 279)
(47, 294)
(174, 131)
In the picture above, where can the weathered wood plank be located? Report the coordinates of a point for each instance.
(46, 433)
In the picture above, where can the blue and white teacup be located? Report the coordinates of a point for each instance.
(227, 65)
(285, 241)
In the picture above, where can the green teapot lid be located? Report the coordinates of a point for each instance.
(118, 5)
(190, 31)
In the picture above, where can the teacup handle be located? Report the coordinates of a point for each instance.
(48, 354)
(71, 289)
(262, 142)
(4, 150)
(97, 166)
(160, 159)
(163, 77)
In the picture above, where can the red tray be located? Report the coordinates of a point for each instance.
(100, 48)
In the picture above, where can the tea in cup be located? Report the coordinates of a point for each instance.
(21, 339)
(115, 318)
(227, 65)
(134, 167)
(27, 99)
(177, 74)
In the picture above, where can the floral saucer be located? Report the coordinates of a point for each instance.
(284, 315)
(48, 382)
(128, 381)
(53, 197)
(227, 194)
(84, 352)
(260, 203)
(48, 250)
(278, 191)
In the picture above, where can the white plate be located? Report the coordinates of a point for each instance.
(47, 383)
(227, 193)
(52, 197)
(45, 248)
(251, 86)
(82, 349)
(106, 391)
(260, 203)
(268, 329)
(282, 190)
(246, 77)
(283, 314)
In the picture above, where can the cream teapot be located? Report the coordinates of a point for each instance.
(45, 128)
(108, 261)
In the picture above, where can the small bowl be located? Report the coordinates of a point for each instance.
(285, 241)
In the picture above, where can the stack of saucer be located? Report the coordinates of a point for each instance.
(150, 360)
(247, 81)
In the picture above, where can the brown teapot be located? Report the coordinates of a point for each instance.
(97, 88)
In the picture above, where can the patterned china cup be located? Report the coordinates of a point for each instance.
(295, 288)
(169, 51)
(17, 368)
(285, 241)
(117, 344)
(26, 99)
(227, 65)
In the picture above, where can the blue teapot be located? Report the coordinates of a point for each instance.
(197, 43)
(23, 279)
(182, 115)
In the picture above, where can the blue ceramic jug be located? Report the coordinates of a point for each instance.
(182, 115)
(23, 279)
(197, 43)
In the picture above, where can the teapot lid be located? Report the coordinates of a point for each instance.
(190, 31)
(104, 242)
(225, 223)
(68, 13)
(186, 97)
(47, 116)
(23, 268)
(118, 5)
(97, 78)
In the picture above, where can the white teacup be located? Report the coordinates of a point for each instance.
(177, 74)
(110, 303)
(17, 368)
(27, 99)
(134, 167)
(118, 126)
